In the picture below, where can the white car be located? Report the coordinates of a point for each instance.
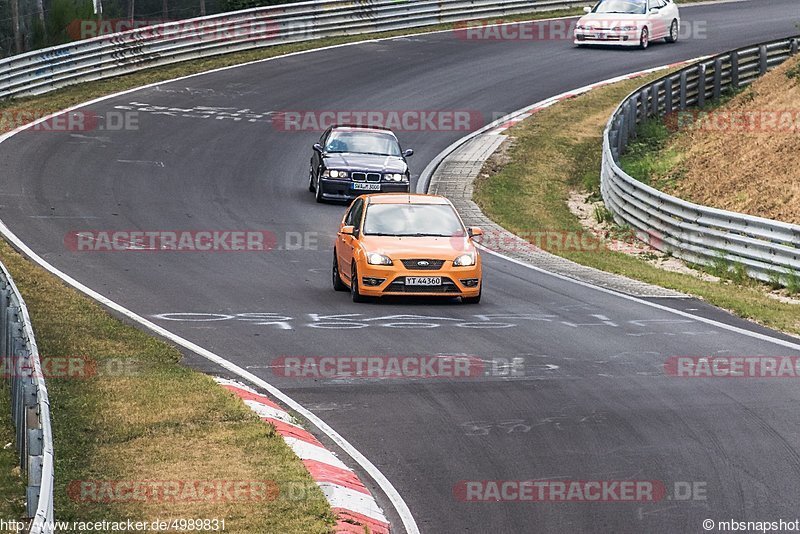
(629, 23)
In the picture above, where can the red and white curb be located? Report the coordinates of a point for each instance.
(351, 501)
(521, 115)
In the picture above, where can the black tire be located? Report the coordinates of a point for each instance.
(472, 300)
(644, 39)
(674, 31)
(318, 192)
(354, 292)
(311, 179)
(338, 285)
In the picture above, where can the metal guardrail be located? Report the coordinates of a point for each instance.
(110, 55)
(30, 405)
(769, 250)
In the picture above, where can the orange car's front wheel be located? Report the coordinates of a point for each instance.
(354, 292)
(338, 285)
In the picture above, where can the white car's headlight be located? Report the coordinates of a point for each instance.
(337, 174)
(465, 260)
(373, 258)
(629, 28)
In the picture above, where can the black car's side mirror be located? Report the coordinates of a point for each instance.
(408, 152)
(318, 147)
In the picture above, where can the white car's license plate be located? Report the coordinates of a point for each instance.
(423, 280)
(367, 187)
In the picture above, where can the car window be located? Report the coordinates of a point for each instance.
(350, 217)
(357, 212)
(630, 7)
(362, 142)
(412, 220)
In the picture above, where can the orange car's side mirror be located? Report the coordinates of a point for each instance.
(348, 230)
(475, 231)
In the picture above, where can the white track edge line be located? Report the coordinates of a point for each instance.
(712, 322)
(436, 161)
(392, 494)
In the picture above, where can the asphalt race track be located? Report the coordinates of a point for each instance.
(589, 399)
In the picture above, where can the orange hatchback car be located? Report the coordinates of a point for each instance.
(402, 244)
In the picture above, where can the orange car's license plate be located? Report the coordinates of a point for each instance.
(423, 280)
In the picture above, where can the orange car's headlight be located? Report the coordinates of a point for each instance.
(465, 260)
(373, 258)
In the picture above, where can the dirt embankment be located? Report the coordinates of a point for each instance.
(745, 155)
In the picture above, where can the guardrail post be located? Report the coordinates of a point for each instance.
(654, 99)
(717, 78)
(668, 95)
(621, 141)
(793, 47)
(762, 60)
(631, 118)
(701, 85)
(682, 105)
(735, 70)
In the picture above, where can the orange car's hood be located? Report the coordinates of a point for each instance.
(435, 248)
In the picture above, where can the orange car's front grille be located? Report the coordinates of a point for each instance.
(399, 286)
(423, 265)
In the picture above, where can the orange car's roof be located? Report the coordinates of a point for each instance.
(405, 198)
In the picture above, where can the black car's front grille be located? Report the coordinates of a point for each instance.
(399, 286)
(423, 265)
(366, 177)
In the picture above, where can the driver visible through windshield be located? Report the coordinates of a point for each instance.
(362, 143)
(417, 220)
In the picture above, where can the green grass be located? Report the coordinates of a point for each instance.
(12, 485)
(559, 150)
(156, 420)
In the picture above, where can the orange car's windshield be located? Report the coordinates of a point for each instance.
(417, 220)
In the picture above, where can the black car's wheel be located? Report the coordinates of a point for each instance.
(318, 191)
(472, 300)
(338, 285)
(644, 40)
(354, 292)
(311, 179)
(674, 32)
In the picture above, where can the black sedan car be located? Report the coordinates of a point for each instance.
(349, 161)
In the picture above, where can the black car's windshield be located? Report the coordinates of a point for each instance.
(362, 142)
(412, 220)
(630, 7)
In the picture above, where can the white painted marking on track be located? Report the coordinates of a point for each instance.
(350, 499)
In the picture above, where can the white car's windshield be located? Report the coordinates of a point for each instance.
(412, 220)
(362, 143)
(630, 7)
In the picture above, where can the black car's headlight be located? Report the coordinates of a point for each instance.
(333, 173)
(395, 177)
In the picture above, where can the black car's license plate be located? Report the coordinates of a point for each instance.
(367, 187)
